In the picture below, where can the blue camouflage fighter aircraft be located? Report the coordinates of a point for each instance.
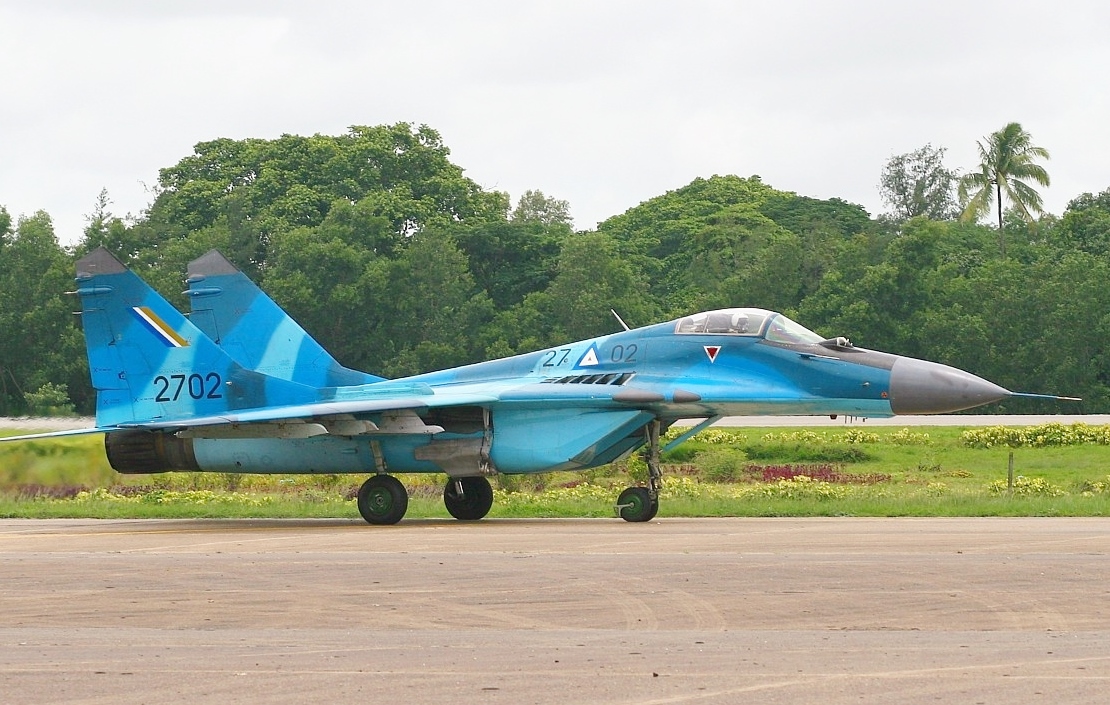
(240, 387)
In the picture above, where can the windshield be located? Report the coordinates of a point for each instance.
(784, 330)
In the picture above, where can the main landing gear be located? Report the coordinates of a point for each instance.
(468, 498)
(383, 500)
(642, 503)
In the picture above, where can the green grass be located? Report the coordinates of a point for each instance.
(898, 473)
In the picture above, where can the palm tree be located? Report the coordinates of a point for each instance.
(1007, 158)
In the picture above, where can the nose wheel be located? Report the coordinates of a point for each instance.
(636, 504)
(642, 503)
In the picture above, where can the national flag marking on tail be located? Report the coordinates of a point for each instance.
(158, 327)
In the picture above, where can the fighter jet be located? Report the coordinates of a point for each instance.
(266, 398)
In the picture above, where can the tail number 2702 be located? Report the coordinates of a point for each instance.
(170, 388)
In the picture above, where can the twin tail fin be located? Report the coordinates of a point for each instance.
(150, 364)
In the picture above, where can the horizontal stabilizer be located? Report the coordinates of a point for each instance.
(58, 434)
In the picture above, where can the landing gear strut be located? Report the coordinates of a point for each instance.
(468, 498)
(642, 503)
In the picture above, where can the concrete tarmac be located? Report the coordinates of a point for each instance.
(556, 611)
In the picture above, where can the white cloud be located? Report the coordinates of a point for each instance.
(603, 104)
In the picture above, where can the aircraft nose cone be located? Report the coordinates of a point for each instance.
(920, 387)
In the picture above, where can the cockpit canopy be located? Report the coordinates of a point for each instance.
(752, 322)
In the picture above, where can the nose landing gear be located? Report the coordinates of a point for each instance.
(636, 504)
(642, 503)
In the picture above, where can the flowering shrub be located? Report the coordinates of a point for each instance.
(715, 436)
(902, 437)
(807, 437)
(1027, 486)
(802, 487)
(855, 435)
(1049, 434)
(682, 488)
(906, 437)
(936, 489)
(1089, 489)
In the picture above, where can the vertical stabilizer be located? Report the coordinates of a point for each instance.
(255, 331)
(149, 363)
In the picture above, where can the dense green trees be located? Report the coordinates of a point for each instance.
(403, 174)
(398, 264)
(1086, 224)
(39, 345)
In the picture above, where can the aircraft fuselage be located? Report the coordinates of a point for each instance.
(585, 404)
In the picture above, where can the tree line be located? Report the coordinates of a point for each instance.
(398, 263)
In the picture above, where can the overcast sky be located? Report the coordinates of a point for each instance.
(603, 104)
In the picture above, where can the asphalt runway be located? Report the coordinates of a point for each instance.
(556, 611)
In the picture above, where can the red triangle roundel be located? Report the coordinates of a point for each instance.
(711, 351)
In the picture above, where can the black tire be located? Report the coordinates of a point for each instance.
(382, 500)
(476, 499)
(635, 504)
